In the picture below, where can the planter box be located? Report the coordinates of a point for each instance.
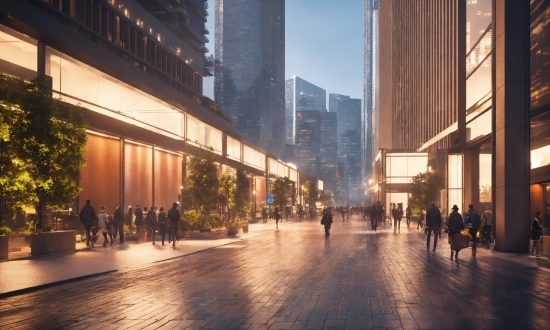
(215, 233)
(4, 247)
(53, 242)
(18, 242)
(545, 246)
(232, 231)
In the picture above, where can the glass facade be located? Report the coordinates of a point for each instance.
(540, 54)
(249, 82)
(17, 49)
(454, 181)
(401, 167)
(485, 182)
(301, 95)
(478, 19)
(308, 140)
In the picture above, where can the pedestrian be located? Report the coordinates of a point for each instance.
(344, 210)
(475, 220)
(87, 218)
(174, 218)
(326, 220)
(487, 227)
(536, 233)
(163, 223)
(408, 214)
(139, 220)
(129, 219)
(433, 224)
(102, 223)
(264, 214)
(374, 216)
(277, 216)
(111, 229)
(420, 223)
(151, 224)
(118, 218)
(454, 226)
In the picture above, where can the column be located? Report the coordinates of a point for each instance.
(511, 162)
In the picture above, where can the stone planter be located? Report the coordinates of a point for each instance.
(17, 243)
(4, 247)
(57, 241)
(232, 231)
(245, 228)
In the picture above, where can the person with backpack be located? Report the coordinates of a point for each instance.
(536, 233)
(433, 224)
(326, 220)
(474, 220)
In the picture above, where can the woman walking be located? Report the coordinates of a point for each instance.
(536, 233)
(102, 224)
(455, 224)
(163, 224)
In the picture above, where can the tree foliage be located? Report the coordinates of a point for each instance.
(202, 186)
(242, 193)
(280, 189)
(311, 193)
(227, 187)
(326, 197)
(424, 189)
(49, 147)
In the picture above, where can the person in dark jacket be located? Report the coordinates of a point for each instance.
(487, 226)
(454, 225)
(139, 220)
(118, 224)
(327, 220)
(536, 233)
(163, 224)
(433, 224)
(408, 214)
(475, 220)
(174, 217)
(151, 224)
(277, 216)
(87, 218)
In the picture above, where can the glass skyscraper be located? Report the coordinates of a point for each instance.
(350, 153)
(249, 68)
(301, 95)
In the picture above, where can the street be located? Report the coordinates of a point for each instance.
(295, 278)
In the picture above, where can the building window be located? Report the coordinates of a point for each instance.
(454, 181)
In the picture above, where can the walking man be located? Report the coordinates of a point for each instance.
(408, 214)
(433, 223)
(87, 218)
(487, 227)
(326, 220)
(139, 220)
(475, 220)
(163, 223)
(151, 224)
(174, 217)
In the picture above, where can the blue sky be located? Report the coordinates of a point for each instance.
(324, 44)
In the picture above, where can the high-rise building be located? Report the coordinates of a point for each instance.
(370, 47)
(350, 153)
(328, 152)
(301, 95)
(249, 69)
(466, 83)
(308, 140)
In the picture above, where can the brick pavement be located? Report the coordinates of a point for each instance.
(294, 278)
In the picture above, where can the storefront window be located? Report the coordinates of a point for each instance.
(18, 49)
(454, 181)
(401, 167)
(233, 149)
(485, 186)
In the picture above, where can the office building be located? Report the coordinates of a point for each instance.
(328, 151)
(308, 140)
(249, 82)
(349, 114)
(467, 83)
(301, 95)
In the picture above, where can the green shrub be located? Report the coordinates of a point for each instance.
(190, 220)
(5, 231)
(214, 221)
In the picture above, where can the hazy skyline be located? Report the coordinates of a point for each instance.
(324, 44)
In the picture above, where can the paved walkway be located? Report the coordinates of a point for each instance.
(294, 278)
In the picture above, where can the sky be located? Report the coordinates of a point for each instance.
(323, 44)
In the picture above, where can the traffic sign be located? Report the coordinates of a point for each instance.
(270, 198)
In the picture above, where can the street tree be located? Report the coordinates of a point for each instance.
(50, 138)
(202, 186)
(311, 192)
(227, 187)
(281, 192)
(242, 193)
(424, 189)
(325, 197)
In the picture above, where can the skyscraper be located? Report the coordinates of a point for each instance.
(301, 95)
(328, 152)
(308, 140)
(370, 82)
(350, 152)
(249, 68)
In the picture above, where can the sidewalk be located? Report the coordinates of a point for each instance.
(27, 274)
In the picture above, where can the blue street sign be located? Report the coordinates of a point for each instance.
(270, 198)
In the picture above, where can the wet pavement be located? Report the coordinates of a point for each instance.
(295, 278)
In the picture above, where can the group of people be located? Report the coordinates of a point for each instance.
(110, 226)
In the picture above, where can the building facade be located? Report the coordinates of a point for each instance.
(468, 86)
(301, 95)
(135, 69)
(328, 151)
(308, 140)
(350, 152)
(249, 82)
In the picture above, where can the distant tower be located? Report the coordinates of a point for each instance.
(350, 153)
(370, 83)
(249, 69)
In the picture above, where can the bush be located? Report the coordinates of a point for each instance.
(190, 220)
(5, 231)
(214, 221)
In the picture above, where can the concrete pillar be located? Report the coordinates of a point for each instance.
(471, 179)
(511, 162)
